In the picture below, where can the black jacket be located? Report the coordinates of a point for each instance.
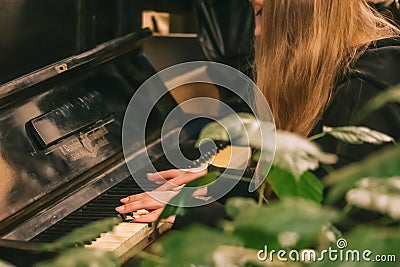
(375, 71)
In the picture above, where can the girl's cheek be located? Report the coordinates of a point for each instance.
(257, 6)
(257, 30)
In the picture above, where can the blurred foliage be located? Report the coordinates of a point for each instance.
(5, 264)
(205, 180)
(357, 135)
(255, 225)
(296, 221)
(83, 235)
(195, 245)
(71, 252)
(177, 205)
(284, 184)
(226, 129)
(380, 241)
(381, 195)
(82, 257)
(238, 129)
(388, 96)
(297, 154)
(251, 226)
(383, 164)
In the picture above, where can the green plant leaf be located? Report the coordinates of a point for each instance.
(377, 194)
(239, 256)
(380, 241)
(284, 184)
(384, 163)
(227, 128)
(260, 226)
(357, 135)
(328, 236)
(388, 96)
(5, 264)
(311, 187)
(205, 180)
(152, 259)
(177, 205)
(234, 206)
(149, 263)
(253, 264)
(83, 235)
(239, 129)
(194, 246)
(82, 257)
(297, 154)
(213, 131)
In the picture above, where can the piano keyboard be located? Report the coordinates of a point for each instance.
(127, 238)
(99, 208)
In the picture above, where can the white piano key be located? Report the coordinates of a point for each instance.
(128, 228)
(125, 238)
(109, 246)
(121, 234)
(112, 237)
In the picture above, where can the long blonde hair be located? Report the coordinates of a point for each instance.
(304, 45)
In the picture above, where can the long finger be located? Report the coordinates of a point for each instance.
(148, 203)
(151, 217)
(153, 200)
(132, 198)
(185, 178)
(164, 175)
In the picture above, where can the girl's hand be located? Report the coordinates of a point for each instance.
(173, 178)
(156, 200)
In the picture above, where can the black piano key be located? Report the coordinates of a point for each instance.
(89, 212)
(101, 207)
(107, 200)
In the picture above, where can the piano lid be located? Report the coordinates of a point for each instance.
(37, 33)
(58, 127)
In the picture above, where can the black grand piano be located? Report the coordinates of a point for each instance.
(67, 72)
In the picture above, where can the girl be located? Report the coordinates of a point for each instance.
(317, 62)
